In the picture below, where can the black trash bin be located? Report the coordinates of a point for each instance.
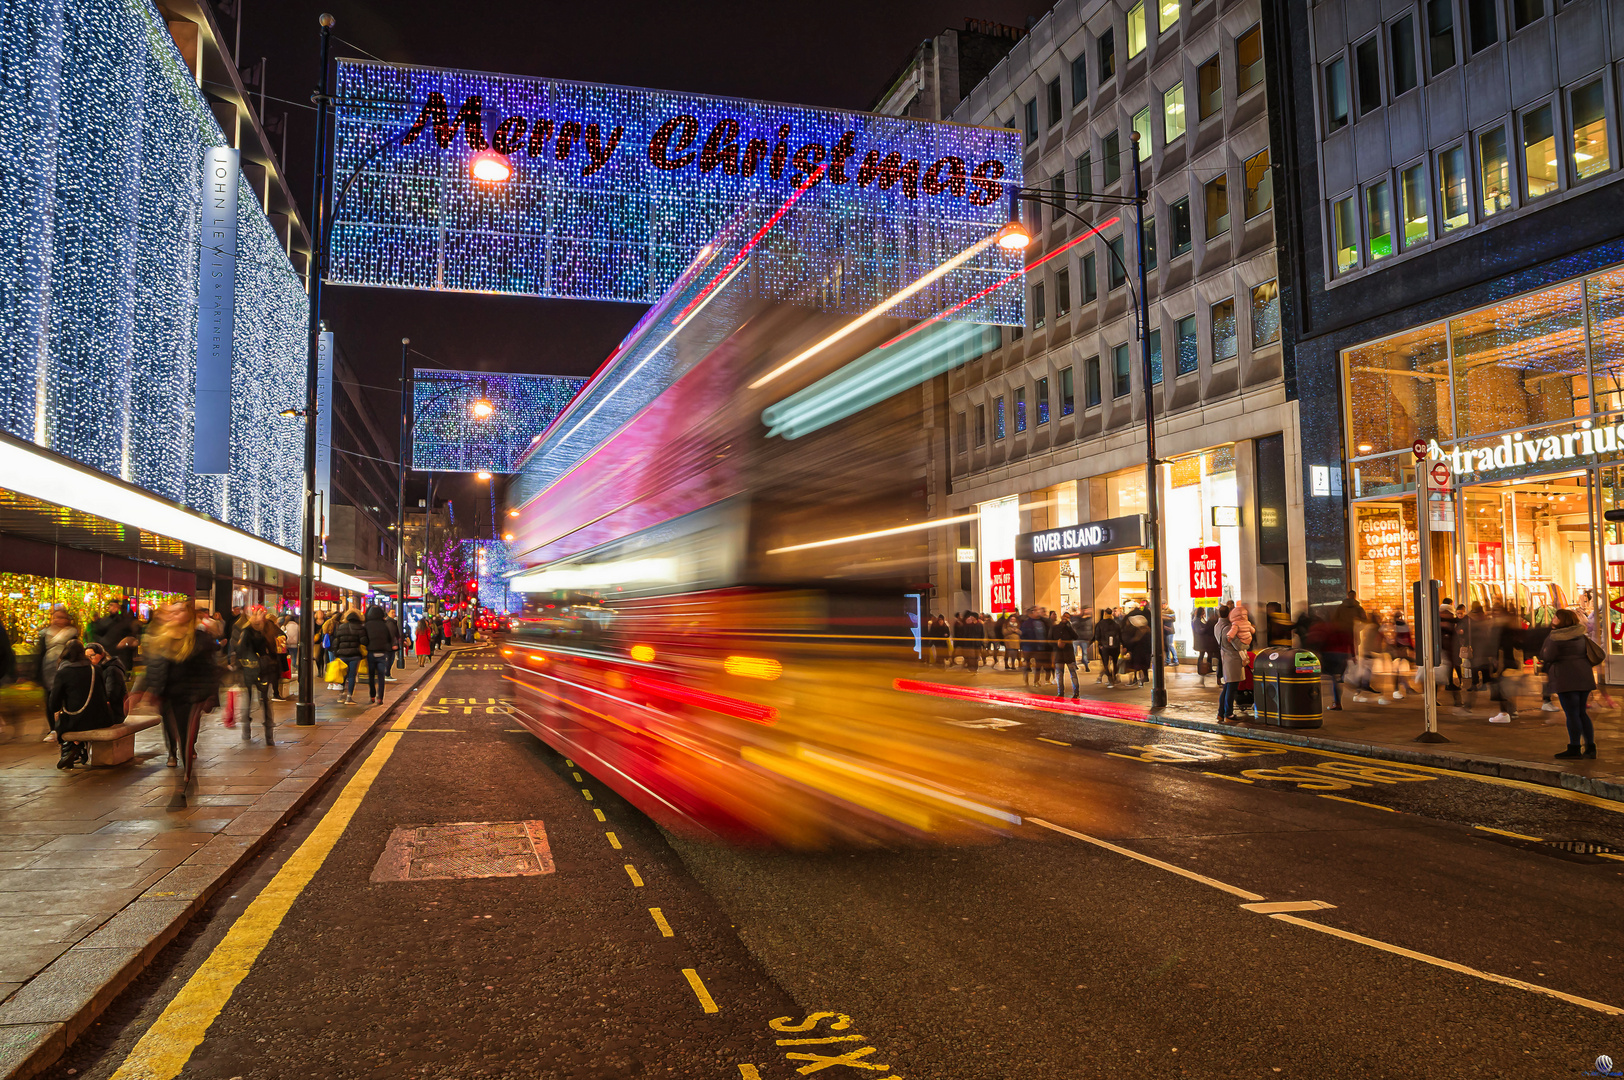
(1287, 684)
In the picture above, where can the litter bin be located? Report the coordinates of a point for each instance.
(1287, 684)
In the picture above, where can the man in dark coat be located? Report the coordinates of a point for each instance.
(380, 642)
(1108, 640)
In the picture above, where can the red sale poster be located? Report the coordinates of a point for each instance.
(1003, 585)
(1206, 576)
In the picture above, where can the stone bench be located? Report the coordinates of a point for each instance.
(114, 745)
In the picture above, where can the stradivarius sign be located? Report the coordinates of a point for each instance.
(1519, 450)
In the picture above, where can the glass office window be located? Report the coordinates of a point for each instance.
(1225, 343)
(1111, 152)
(1091, 290)
(1440, 35)
(1259, 184)
(1494, 168)
(1379, 220)
(1085, 175)
(1062, 293)
(1020, 410)
(1178, 239)
(959, 434)
(1539, 152)
(1210, 87)
(1167, 15)
(1040, 399)
(1401, 55)
(1265, 314)
(1336, 94)
(1524, 12)
(1412, 183)
(1057, 198)
(1141, 128)
(1038, 314)
(1217, 192)
(1031, 112)
(1068, 401)
(1136, 30)
(1079, 79)
(1345, 230)
(1454, 189)
(1056, 109)
(1150, 243)
(1108, 55)
(1368, 70)
(1189, 357)
(1173, 112)
(1117, 271)
(998, 417)
(1590, 151)
(1091, 381)
(1154, 339)
(981, 425)
(1121, 366)
(1249, 60)
(1482, 23)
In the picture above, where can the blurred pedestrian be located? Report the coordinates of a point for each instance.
(1169, 625)
(971, 636)
(396, 640)
(182, 679)
(935, 642)
(349, 648)
(425, 642)
(59, 630)
(77, 702)
(114, 629)
(1108, 640)
(1083, 623)
(1206, 645)
(1065, 659)
(115, 679)
(8, 658)
(256, 659)
(380, 649)
(1570, 656)
(1034, 637)
(291, 629)
(1277, 625)
(1138, 642)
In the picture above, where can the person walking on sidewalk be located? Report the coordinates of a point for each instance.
(1138, 639)
(1206, 645)
(349, 648)
(425, 642)
(1569, 656)
(254, 653)
(1084, 625)
(380, 643)
(1235, 633)
(1065, 659)
(182, 679)
(971, 636)
(59, 630)
(1034, 638)
(394, 648)
(1108, 640)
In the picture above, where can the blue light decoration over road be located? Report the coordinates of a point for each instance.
(614, 191)
(493, 565)
(449, 436)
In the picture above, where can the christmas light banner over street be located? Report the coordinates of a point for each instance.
(609, 192)
(452, 432)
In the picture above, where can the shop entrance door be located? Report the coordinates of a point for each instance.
(1527, 546)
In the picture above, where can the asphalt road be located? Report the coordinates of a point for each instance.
(1041, 955)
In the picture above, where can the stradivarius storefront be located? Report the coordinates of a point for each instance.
(1524, 400)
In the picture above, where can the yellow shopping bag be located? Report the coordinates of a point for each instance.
(335, 671)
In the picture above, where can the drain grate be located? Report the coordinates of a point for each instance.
(1583, 847)
(465, 849)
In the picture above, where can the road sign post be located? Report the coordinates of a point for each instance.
(1428, 479)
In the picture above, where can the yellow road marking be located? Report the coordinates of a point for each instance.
(824, 1040)
(614, 841)
(587, 793)
(569, 763)
(577, 777)
(420, 730)
(1513, 835)
(631, 872)
(659, 920)
(166, 1047)
(749, 1072)
(1356, 802)
(1450, 965)
(707, 1002)
(1244, 894)
(1277, 906)
(595, 810)
(1226, 776)
(1057, 742)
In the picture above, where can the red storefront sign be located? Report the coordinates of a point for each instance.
(1003, 585)
(1206, 576)
(325, 593)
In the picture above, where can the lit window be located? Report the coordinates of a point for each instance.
(1345, 225)
(998, 417)
(1173, 112)
(1108, 55)
(1167, 15)
(1210, 80)
(1179, 238)
(1111, 151)
(1455, 204)
(1590, 152)
(1225, 344)
(1539, 151)
(1020, 410)
(1217, 206)
(1259, 185)
(1141, 131)
(1040, 394)
(1068, 401)
(1379, 220)
(1495, 169)
(1265, 314)
(1336, 94)
(1091, 381)
(1249, 60)
(1136, 30)
(1413, 192)
(1121, 381)
(1189, 358)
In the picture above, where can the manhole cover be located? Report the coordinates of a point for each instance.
(1584, 847)
(465, 849)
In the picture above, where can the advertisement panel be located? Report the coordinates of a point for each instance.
(1206, 576)
(1003, 585)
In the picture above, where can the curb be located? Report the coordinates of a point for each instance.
(46, 1014)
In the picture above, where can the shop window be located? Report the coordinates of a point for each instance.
(1173, 113)
(1141, 131)
(1189, 358)
(1412, 184)
(1210, 88)
(1401, 55)
(1090, 286)
(1217, 193)
(981, 425)
(1040, 398)
(1179, 235)
(959, 425)
(998, 418)
(1539, 152)
(1150, 243)
(1259, 184)
(1118, 270)
(1020, 409)
(1154, 341)
(1121, 367)
(1085, 175)
(1167, 15)
(1345, 231)
(1379, 220)
(1265, 314)
(1079, 79)
(1590, 150)
(1605, 296)
(1367, 68)
(1068, 400)
(1520, 363)
(1091, 382)
(1107, 46)
(1482, 23)
(1440, 35)
(1031, 111)
(1056, 109)
(1111, 155)
(1454, 190)
(1524, 12)
(1398, 391)
(1494, 169)
(1225, 343)
(1336, 95)
(1062, 293)
(1136, 30)
(1249, 60)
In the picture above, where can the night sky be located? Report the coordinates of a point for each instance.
(836, 53)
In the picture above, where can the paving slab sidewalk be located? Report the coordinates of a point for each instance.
(97, 874)
(1520, 750)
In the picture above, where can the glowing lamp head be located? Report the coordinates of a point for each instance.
(643, 654)
(490, 167)
(482, 475)
(1014, 236)
(508, 537)
(482, 409)
(513, 513)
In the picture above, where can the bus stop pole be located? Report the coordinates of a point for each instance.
(1424, 609)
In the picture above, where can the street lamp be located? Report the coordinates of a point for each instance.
(490, 167)
(482, 475)
(1016, 236)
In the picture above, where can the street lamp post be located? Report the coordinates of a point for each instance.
(1015, 230)
(400, 503)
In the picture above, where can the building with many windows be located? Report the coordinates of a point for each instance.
(1047, 425)
(1452, 198)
